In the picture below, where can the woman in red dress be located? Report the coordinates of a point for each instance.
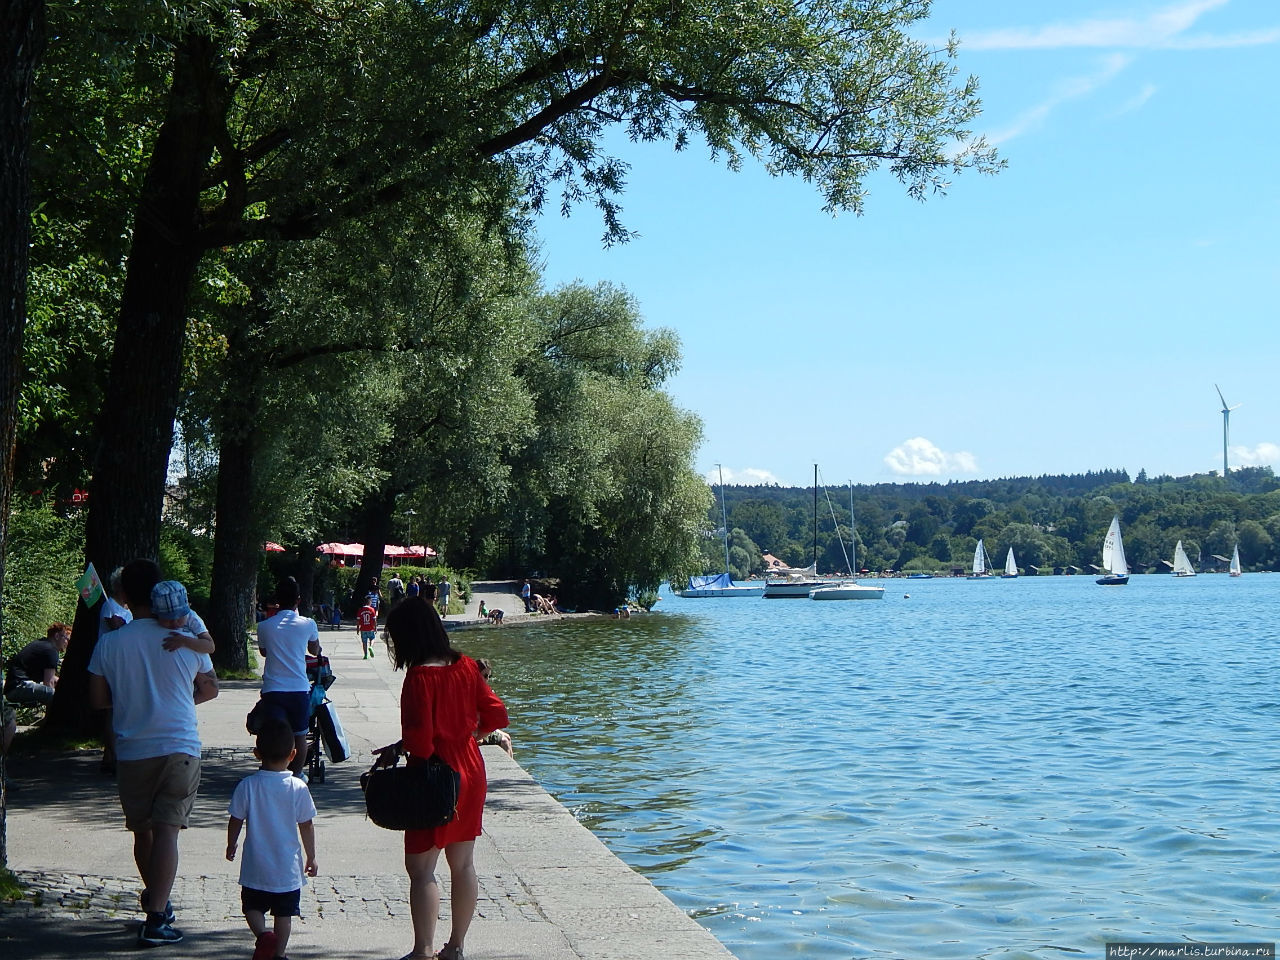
(445, 707)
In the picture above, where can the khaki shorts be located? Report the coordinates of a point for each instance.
(158, 790)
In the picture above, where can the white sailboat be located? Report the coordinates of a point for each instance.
(720, 584)
(797, 584)
(981, 563)
(1235, 561)
(1181, 563)
(850, 589)
(1010, 566)
(1113, 561)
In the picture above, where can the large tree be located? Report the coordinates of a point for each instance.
(21, 43)
(279, 120)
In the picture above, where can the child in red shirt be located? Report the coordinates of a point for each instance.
(367, 627)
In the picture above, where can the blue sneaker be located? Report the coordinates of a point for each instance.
(155, 931)
(169, 916)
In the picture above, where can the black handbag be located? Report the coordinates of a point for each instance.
(417, 796)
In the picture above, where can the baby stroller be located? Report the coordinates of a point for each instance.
(324, 727)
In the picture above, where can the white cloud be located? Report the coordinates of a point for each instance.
(919, 457)
(1072, 88)
(1262, 455)
(1162, 29)
(1136, 102)
(746, 477)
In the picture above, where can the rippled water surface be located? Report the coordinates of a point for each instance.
(1024, 768)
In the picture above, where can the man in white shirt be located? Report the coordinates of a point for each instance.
(153, 694)
(284, 640)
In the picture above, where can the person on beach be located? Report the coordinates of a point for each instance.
(278, 809)
(445, 706)
(367, 627)
(284, 640)
(526, 594)
(153, 693)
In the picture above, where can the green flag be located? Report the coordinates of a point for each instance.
(90, 586)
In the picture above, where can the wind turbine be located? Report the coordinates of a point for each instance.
(1226, 427)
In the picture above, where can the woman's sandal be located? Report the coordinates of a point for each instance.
(449, 953)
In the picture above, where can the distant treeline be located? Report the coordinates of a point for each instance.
(1053, 523)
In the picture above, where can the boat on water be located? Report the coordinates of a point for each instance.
(1182, 563)
(850, 589)
(981, 564)
(1010, 566)
(793, 584)
(1235, 561)
(919, 576)
(1113, 562)
(720, 584)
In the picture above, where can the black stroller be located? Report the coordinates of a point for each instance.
(324, 728)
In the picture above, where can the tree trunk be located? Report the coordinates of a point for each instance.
(21, 44)
(135, 425)
(236, 535)
(305, 571)
(375, 528)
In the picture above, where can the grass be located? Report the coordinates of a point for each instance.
(10, 887)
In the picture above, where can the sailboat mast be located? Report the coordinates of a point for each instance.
(853, 536)
(724, 517)
(815, 518)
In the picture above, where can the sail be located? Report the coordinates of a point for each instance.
(1235, 561)
(1181, 564)
(1010, 565)
(979, 559)
(1113, 551)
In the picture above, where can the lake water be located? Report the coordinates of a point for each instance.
(1026, 768)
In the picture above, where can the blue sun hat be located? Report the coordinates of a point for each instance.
(169, 600)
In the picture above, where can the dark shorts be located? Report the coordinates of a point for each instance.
(293, 706)
(276, 904)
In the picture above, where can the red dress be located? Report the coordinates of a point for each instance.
(441, 708)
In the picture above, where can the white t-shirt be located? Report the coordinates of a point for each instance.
(110, 608)
(272, 803)
(152, 690)
(283, 640)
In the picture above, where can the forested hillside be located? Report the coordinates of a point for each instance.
(1052, 522)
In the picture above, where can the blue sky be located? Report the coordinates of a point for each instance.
(1071, 313)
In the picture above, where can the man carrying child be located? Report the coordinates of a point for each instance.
(154, 692)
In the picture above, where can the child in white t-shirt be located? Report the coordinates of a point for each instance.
(278, 809)
(170, 608)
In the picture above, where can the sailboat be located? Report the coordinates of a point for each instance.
(1113, 561)
(850, 589)
(1235, 561)
(796, 584)
(719, 584)
(1181, 564)
(1010, 566)
(981, 563)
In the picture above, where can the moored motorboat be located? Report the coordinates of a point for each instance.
(847, 591)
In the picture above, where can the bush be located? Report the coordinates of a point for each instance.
(44, 560)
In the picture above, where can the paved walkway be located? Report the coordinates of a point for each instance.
(549, 890)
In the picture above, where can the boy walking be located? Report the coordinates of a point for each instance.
(278, 808)
(367, 627)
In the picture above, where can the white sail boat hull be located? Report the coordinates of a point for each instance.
(1113, 560)
(981, 565)
(1182, 563)
(847, 591)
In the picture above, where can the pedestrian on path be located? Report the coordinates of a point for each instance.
(284, 640)
(279, 810)
(442, 593)
(154, 692)
(445, 706)
(367, 627)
